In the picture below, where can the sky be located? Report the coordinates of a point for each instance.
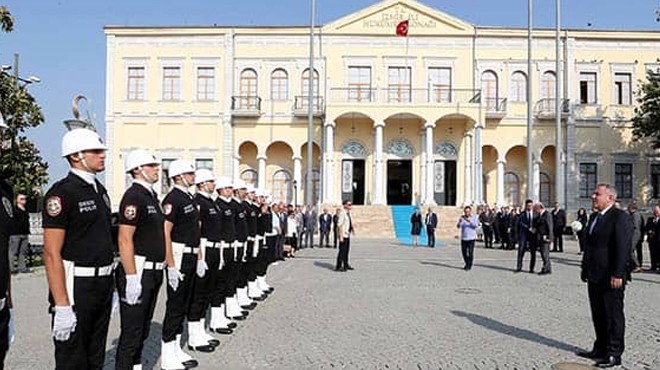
(62, 42)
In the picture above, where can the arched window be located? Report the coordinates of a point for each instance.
(316, 185)
(512, 188)
(282, 186)
(279, 85)
(250, 177)
(545, 189)
(518, 91)
(249, 91)
(305, 83)
(548, 83)
(489, 89)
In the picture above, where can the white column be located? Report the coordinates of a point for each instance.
(500, 182)
(468, 180)
(430, 176)
(478, 173)
(261, 172)
(297, 177)
(328, 168)
(537, 179)
(236, 164)
(379, 165)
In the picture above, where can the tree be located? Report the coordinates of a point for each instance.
(20, 161)
(646, 121)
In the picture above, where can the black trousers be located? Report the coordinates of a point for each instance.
(252, 262)
(654, 251)
(524, 240)
(496, 233)
(85, 349)
(504, 237)
(204, 286)
(488, 236)
(241, 270)
(136, 319)
(324, 235)
(581, 237)
(342, 256)
(430, 232)
(265, 255)
(4, 335)
(558, 244)
(467, 250)
(222, 285)
(639, 252)
(335, 237)
(608, 318)
(178, 303)
(545, 256)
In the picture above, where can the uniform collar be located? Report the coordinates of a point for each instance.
(224, 199)
(182, 188)
(144, 184)
(204, 194)
(87, 177)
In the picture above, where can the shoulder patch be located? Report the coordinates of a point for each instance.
(167, 208)
(53, 206)
(130, 212)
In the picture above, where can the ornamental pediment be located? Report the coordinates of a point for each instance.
(383, 17)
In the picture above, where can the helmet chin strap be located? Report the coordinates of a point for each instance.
(81, 156)
(183, 179)
(146, 178)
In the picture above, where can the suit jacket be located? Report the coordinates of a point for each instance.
(524, 223)
(559, 218)
(431, 220)
(607, 247)
(544, 227)
(653, 231)
(325, 221)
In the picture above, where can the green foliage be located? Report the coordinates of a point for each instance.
(646, 121)
(6, 19)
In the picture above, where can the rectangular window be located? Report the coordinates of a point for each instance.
(588, 88)
(204, 163)
(359, 84)
(171, 83)
(205, 83)
(165, 180)
(655, 180)
(623, 179)
(622, 88)
(399, 84)
(135, 83)
(439, 85)
(588, 179)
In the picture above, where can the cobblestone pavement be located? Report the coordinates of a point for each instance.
(401, 308)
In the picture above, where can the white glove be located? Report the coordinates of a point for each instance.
(12, 328)
(133, 289)
(173, 277)
(64, 323)
(201, 268)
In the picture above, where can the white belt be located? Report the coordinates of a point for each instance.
(149, 265)
(190, 250)
(80, 271)
(210, 244)
(250, 238)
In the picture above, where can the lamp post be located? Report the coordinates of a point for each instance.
(295, 193)
(310, 107)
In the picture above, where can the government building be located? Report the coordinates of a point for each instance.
(437, 117)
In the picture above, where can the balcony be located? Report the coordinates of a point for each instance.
(301, 106)
(495, 107)
(545, 108)
(246, 105)
(403, 96)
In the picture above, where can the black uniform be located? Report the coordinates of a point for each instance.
(204, 287)
(240, 218)
(251, 265)
(264, 226)
(181, 210)
(84, 213)
(226, 279)
(140, 208)
(6, 216)
(245, 223)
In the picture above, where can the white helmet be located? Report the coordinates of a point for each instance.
(223, 182)
(80, 140)
(3, 125)
(203, 175)
(251, 189)
(179, 167)
(240, 184)
(138, 158)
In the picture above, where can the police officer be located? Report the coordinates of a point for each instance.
(198, 339)
(264, 230)
(142, 251)
(253, 292)
(242, 211)
(183, 260)
(229, 271)
(6, 216)
(78, 254)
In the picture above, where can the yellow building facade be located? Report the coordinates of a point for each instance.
(438, 117)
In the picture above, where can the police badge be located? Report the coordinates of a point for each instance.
(53, 206)
(130, 212)
(167, 209)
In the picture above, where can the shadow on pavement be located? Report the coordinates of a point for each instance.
(565, 261)
(326, 265)
(493, 267)
(149, 357)
(513, 331)
(441, 265)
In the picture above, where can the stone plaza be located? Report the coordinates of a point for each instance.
(401, 308)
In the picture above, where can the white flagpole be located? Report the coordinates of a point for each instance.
(530, 158)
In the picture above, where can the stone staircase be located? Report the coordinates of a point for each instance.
(376, 221)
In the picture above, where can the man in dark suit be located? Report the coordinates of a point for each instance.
(325, 223)
(653, 237)
(559, 222)
(431, 222)
(526, 236)
(544, 235)
(604, 269)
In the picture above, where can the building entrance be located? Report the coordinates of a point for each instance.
(399, 182)
(444, 185)
(353, 181)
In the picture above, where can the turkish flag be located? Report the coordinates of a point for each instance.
(402, 28)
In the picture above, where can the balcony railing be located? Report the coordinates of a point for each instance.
(301, 106)
(403, 96)
(247, 105)
(495, 107)
(545, 108)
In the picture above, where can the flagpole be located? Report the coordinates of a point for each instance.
(559, 173)
(530, 158)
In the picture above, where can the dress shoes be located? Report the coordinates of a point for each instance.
(349, 268)
(517, 271)
(544, 272)
(608, 362)
(340, 269)
(593, 354)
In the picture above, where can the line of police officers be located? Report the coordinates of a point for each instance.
(212, 252)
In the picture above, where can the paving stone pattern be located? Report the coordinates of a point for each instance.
(401, 308)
